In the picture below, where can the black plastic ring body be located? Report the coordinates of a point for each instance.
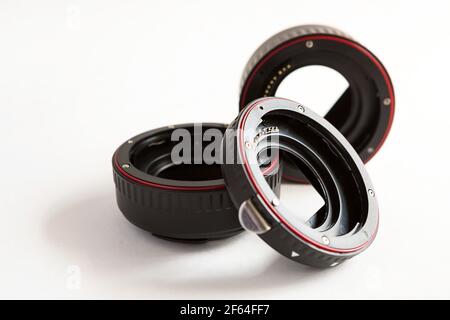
(363, 114)
(194, 210)
(348, 222)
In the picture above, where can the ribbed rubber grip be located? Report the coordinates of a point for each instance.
(183, 215)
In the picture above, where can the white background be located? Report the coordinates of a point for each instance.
(77, 78)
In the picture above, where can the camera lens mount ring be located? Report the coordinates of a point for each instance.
(364, 113)
(347, 223)
(180, 202)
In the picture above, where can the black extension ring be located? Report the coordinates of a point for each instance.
(185, 202)
(363, 114)
(344, 226)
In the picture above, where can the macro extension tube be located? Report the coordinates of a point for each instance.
(183, 202)
(348, 221)
(365, 111)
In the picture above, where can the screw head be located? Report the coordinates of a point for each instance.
(370, 150)
(125, 166)
(387, 102)
(309, 44)
(371, 193)
(275, 202)
(248, 145)
(325, 240)
(301, 108)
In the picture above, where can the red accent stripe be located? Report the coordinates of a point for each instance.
(270, 168)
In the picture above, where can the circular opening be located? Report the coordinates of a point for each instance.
(153, 156)
(317, 87)
(302, 199)
(336, 204)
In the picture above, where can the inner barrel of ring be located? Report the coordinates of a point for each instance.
(356, 114)
(153, 154)
(328, 167)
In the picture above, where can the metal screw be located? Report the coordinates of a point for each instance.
(371, 193)
(275, 202)
(248, 145)
(301, 108)
(309, 44)
(370, 150)
(125, 166)
(325, 240)
(387, 102)
(130, 141)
